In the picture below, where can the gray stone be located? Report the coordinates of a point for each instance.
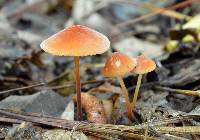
(68, 113)
(46, 102)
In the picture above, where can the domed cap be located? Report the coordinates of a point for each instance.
(77, 40)
(118, 64)
(144, 65)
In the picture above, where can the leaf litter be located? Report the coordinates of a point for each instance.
(23, 64)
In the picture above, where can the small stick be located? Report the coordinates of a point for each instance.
(10, 120)
(167, 12)
(83, 83)
(180, 91)
(54, 87)
(154, 13)
(21, 88)
(173, 137)
(179, 130)
(128, 131)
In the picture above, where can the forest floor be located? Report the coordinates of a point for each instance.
(37, 89)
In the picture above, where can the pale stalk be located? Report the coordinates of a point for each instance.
(136, 91)
(125, 93)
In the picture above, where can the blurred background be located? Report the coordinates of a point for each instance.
(168, 31)
(133, 26)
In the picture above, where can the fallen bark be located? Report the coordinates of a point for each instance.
(93, 108)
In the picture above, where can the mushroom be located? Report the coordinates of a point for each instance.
(144, 65)
(76, 41)
(118, 65)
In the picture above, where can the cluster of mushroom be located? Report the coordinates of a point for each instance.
(119, 64)
(78, 40)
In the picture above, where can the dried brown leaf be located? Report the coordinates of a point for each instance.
(93, 108)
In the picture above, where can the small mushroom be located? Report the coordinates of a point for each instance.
(144, 65)
(118, 65)
(76, 41)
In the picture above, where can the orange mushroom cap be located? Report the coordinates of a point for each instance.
(77, 40)
(118, 64)
(144, 65)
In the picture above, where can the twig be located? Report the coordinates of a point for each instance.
(176, 6)
(165, 136)
(167, 12)
(180, 91)
(107, 129)
(180, 130)
(53, 87)
(153, 8)
(21, 88)
(168, 121)
(10, 120)
(103, 136)
(175, 137)
(83, 83)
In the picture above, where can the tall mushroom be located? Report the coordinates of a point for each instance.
(76, 41)
(118, 65)
(144, 65)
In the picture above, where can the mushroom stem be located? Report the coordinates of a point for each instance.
(78, 87)
(125, 93)
(136, 91)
